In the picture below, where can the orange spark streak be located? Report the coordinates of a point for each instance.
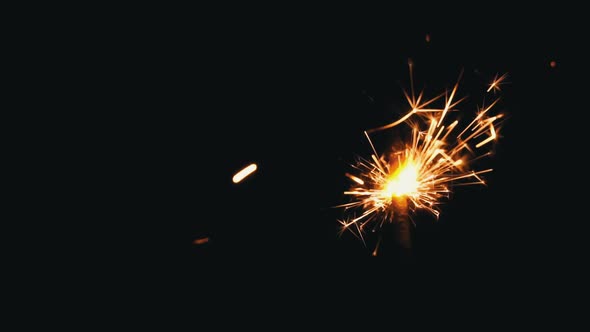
(201, 241)
(495, 85)
(246, 171)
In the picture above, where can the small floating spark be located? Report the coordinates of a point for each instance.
(241, 175)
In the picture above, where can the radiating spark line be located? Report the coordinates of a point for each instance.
(424, 171)
(492, 137)
(246, 171)
(495, 85)
(450, 99)
(478, 120)
(377, 247)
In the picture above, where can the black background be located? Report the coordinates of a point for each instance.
(161, 106)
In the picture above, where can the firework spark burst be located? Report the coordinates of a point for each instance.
(439, 155)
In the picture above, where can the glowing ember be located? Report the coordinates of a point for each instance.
(201, 241)
(495, 85)
(241, 175)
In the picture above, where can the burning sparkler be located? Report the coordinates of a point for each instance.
(422, 172)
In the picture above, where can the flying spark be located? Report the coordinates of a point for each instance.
(437, 157)
(496, 82)
(202, 240)
(246, 171)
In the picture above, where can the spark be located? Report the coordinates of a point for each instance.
(246, 171)
(202, 240)
(438, 156)
(355, 179)
(496, 82)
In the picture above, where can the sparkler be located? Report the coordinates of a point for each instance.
(420, 174)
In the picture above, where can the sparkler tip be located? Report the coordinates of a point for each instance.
(202, 240)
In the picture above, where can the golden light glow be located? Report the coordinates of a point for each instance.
(438, 156)
(241, 175)
(403, 182)
(355, 179)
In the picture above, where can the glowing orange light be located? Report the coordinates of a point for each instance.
(201, 241)
(355, 179)
(495, 85)
(438, 157)
(241, 175)
(404, 181)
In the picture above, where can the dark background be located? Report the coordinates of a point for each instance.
(174, 101)
(293, 94)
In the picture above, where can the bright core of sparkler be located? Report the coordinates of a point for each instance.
(438, 156)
